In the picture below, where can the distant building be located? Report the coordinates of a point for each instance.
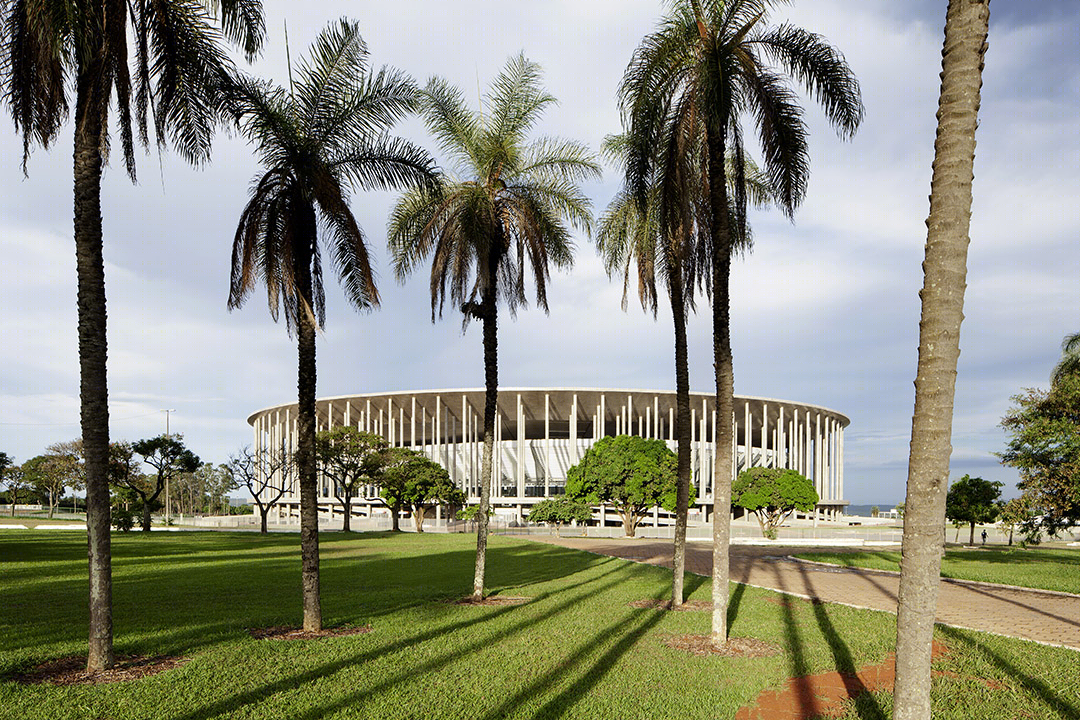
(542, 432)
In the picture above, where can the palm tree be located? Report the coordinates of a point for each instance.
(629, 237)
(709, 63)
(1069, 364)
(944, 281)
(315, 140)
(176, 60)
(506, 208)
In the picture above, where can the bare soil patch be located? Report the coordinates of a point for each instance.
(493, 600)
(738, 647)
(286, 632)
(72, 670)
(692, 605)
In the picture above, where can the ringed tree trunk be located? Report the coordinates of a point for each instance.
(491, 402)
(305, 446)
(682, 412)
(723, 463)
(93, 350)
(945, 271)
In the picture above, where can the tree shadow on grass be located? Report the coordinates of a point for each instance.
(260, 694)
(800, 669)
(1059, 703)
(628, 634)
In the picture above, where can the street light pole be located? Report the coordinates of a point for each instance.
(168, 499)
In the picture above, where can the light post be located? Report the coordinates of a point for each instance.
(168, 499)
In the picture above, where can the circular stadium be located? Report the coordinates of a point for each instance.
(540, 433)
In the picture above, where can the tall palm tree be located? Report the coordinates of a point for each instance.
(944, 282)
(1069, 364)
(628, 237)
(503, 210)
(710, 63)
(53, 47)
(316, 140)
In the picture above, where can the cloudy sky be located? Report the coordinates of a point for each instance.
(825, 310)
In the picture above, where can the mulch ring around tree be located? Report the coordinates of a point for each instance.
(72, 670)
(688, 606)
(288, 632)
(737, 647)
(492, 601)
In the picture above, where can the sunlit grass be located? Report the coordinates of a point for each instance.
(576, 650)
(1046, 568)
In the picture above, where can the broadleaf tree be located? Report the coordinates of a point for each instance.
(410, 480)
(169, 457)
(267, 474)
(560, 511)
(773, 494)
(351, 459)
(630, 473)
(971, 501)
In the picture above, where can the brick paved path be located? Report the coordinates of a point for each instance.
(1031, 615)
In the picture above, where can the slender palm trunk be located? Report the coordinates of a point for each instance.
(491, 404)
(682, 411)
(93, 351)
(305, 445)
(723, 463)
(945, 271)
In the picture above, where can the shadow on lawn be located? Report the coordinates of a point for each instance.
(236, 702)
(1053, 701)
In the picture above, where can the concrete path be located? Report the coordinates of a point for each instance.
(1050, 618)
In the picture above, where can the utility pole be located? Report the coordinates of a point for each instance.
(168, 499)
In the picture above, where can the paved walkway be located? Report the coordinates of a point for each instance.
(1048, 618)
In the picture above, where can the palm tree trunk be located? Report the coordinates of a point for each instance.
(723, 462)
(93, 351)
(682, 411)
(945, 271)
(305, 443)
(491, 404)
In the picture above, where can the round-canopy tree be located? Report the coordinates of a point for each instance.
(972, 500)
(560, 511)
(632, 473)
(773, 494)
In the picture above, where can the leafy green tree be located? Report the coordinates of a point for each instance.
(214, 483)
(1069, 364)
(317, 139)
(972, 500)
(942, 294)
(1045, 447)
(407, 479)
(60, 50)
(501, 215)
(15, 480)
(560, 511)
(267, 474)
(773, 494)
(633, 474)
(686, 88)
(1014, 513)
(351, 459)
(168, 456)
(51, 474)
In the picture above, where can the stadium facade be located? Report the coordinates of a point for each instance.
(542, 432)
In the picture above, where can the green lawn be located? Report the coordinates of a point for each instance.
(1046, 568)
(577, 650)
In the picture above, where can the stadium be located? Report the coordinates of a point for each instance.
(542, 432)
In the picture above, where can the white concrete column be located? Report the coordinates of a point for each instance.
(573, 431)
(412, 424)
(348, 413)
(748, 436)
(764, 434)
(603, 416)
(818, 480)
(781, 460)
(671, 424)
(367, 418)
(547, 445)
(840, 464)
(496, 475)
(520, 448)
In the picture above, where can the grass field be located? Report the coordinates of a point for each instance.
(1046, 568)
(576, 650)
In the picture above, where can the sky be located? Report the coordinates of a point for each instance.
(825, 309)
